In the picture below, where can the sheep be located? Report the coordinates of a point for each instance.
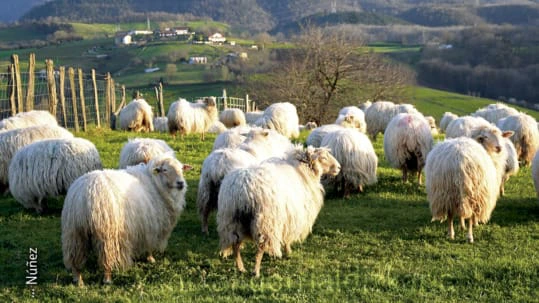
(141, 150)
(463, 177)
(407, 141)
(13, 140)
(252, 117)
(217, 128)
(535, 173)
(494, 112)
(363, 106)
(232, 117)
(317, 134)
(160, 124)
(355, 153)
(462, 126)
(186, 118)
(355, 115)
(526, 138)
(380, 113)
(265, 143)
(122, 214)
(432, 125)
(25, 119)
(137, 116)
(511, 163)
(446, 119)
(231, 138)
(275, 203)
(48, 167)
(282, 117)
(308, 126)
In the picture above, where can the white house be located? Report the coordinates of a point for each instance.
(217, 38)
(198, 60)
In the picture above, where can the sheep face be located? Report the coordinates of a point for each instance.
(491, 138)
(210, 101)
(169, 173)
(322, 162)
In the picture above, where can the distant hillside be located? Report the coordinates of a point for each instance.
(440, 16)
(512, 14)
(12, 10)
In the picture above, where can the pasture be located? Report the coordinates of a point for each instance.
(377, 246)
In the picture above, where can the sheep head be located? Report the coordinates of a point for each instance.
(168, 172)
(319, 160)
(490, 137)
(210, 102)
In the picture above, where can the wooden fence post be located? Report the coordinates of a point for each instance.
(31, 82)
(247, 105)
(107, 102)
(51, 84)
(11, 89)
(161, 102)
(113, 95)
(62, 94)
(96, 100)
(82, 101)
(225, 106)
(18, 82)
(71, 74)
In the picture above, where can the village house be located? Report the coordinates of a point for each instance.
(216, 38)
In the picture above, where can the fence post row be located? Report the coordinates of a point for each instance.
(71, 75)
(51, 84)
(62, 94)
(11, 89)
(82, 101)
(18, 82)
(96, 100)
(31, 80)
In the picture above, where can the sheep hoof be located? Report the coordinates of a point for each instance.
(107, 281)
(150, 259)
(256, 274)
(78, 283)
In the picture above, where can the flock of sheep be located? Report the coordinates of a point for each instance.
(263, 187)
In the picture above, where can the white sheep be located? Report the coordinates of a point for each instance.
(354, 115)
(252, 117)
(186, 118)
(535, 173)
(462, 126)
(526, 137)
(464, 175)
(265, 143)
(407, 141)
(231, 138)
(275, 203)
(232, 117)
(217, 128)
(160, 124)
(282, 117)
(494, 112)
(357, 157)
(511, 163)
(308, 126)
(432, 124)
(380, 113)
(446, 119)
(47, 168)
(122, 214)
(25, 119)
(316, 135)
(364, 105)
(141, 150)
(137, 116)
(13, 140)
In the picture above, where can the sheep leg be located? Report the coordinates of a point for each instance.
(237, 256)
(287, 249)
(419, 177)
(150, 259)
(77, 277)
(107, 279)
(202, 136)
(475, 222)
(258, 260)
(204, 219)
(462, 223)
(470, 230)
(404, 174)
(451, 230)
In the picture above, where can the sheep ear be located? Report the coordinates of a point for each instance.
(156, 170)
(187, 167)
(507, 134)
(265, 133)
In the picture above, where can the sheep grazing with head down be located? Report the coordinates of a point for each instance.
(252, 117)
(137, 116)
(232, 117)
(160, 124)
(464, 175)
(47, 168)
(463, 126)
(26, 119)
(142, 150)
(13, 140)
(282, 117)
(317, 135)
(526, 137)
(355, 116)
(407, 141)
(122, 214)
(355, 153)
(432, 124)
(186, 118)
(511, 163)
(494, 112)
(446, 119)
(380, 113)
(364, 105)
(274, 203)
(231, 138)
(217, 128)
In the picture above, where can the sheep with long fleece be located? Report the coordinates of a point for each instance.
(252, 117)
(463, 177)
(463, 126)
(275, 203)
(265, 143)
(432, 124)
(446, 119)
(217, 128)
(26, 119)
(137, 116)
(122, 214)
(526, 137)
(232, 117)
(47, 168)
(355, 153)
(317, 135)
(13, 140)
(160, 124)
(407, 141)
(141, 150)
(364, 105)
(380, 113)
(494, 112)
(186, 118)
(535, 173)
(282, 117)
(231, 138)
(511, 163)
(356, 117)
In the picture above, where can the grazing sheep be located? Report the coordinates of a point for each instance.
(363, 106)
(217, 128)
(355, 153)
(26, 119)
(137, 116)
(462, 126)
(275, 203)
(266, 143)
(186, 118)
(511, 163)
(13, 140)
(380, 113)
(141, 150)
(160, 124)
(357, 117)
(526, 137)
(407, 141)
(317, 134)
(308, 126)
(231, 138)
(252, 117)
(464, 175)
(432, 125)
(282, 117)
(122, 214)
(48, 167)
(494, 112)
(232, 117)
(446, 119)
(535, 173)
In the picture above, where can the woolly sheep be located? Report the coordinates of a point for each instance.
(511, 163)
(462, 126)
(535, 173)
(432, 125)
(308, 126)
(282, 117)
(275, 203)
(265, 143)
(186, 118)
(141, 150)
(363, 106)
(355, 116)
(26, 119)
(13, 140)
(526, 137)
(494, 112)
(407, 141)
(160, 124)
(217, 128)
(137, 116)
(355, 153)
(48, 167)
(232, 117)
(252, 117)
(317, 134)
(464, 176)
(446, 119)
(380, 113)
(122, 214)
(231, 138)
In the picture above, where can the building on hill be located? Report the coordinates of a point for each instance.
(198, 60)
(216, 38)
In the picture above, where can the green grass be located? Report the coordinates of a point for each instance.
(378, 246)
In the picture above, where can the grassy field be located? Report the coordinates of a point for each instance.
(378, 246)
